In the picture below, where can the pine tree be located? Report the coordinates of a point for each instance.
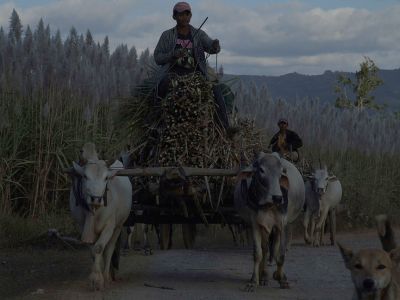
(3, 45)
(89, 38)
(27, 43)
(15, 32)
(28, 61)
(143, 65)
(132, 58)
(106, 47)
(41, 39)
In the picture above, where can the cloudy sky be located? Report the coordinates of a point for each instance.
(263, 37)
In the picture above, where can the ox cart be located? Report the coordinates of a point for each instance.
(182, 195)
(184, 161)
(187, 196)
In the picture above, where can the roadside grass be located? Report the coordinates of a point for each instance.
(17, 231)
(39, 137)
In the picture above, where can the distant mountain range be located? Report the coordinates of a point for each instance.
(298, 86)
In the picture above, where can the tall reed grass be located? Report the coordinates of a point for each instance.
(361, 148)
(39, 136)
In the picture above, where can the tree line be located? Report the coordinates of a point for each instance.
(36, 60)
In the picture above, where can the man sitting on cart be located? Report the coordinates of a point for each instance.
(180, 50)
(286, 142)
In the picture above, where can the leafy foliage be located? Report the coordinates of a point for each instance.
(365, 83)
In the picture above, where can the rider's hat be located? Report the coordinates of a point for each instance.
(181, 7)
(283, 120)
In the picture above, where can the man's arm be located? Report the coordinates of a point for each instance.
(295, 140)
(163, 55)
(273, 140)
(209, 45)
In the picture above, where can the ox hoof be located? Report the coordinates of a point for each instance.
(284, 285)
(250, 287)
(316, 244)
(108, 277)
(137, 247)
(264, 282)
(148, 251)
(97, 281)
(113, 273)
(279, 276)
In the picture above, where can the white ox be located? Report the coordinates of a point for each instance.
(323, 194)
(259, 199)
(100, 202)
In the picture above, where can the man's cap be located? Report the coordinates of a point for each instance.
(181, 7)
(282, 120)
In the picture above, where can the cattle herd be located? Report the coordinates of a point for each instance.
(269, 195)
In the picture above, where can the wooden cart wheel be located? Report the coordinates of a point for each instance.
(189, 235)
(165, 236)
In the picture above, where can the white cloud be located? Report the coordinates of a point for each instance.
(101, 16)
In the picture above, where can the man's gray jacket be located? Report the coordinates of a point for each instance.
(164, 52)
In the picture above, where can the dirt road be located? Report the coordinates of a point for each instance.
(203, 273)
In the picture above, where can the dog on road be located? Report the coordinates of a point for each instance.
(375, 272)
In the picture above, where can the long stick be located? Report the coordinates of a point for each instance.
(188, 41)
(198, 29)
(216, 64)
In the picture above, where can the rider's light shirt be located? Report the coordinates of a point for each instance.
(186, 64)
